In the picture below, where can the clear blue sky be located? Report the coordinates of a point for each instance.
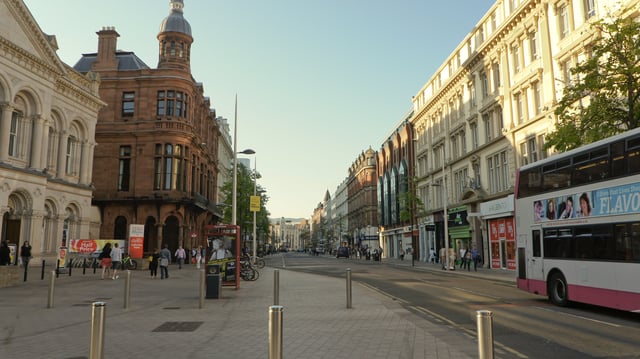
(318, 82)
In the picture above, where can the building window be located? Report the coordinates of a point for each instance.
(589, 9)
(485, 84)
(498, 172)
(488, 127)
(16, 121)
(533, 45)
(563, 21)
(472, 93)
(128, 104)
(463, 142)
(515, 58)
(71, 156)
(170, 167)
(519, 107)
(172, 104)
(454, 147)
(536, 89)
(528, 151)
(543, 151)
(474, 135)
(495, 69)
(124, 168)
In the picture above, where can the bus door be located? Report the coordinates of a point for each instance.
(535, 264)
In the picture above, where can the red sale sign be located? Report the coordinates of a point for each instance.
(84, 246)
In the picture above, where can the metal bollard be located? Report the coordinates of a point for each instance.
(84, 266)
(94, 265)
(202, 288)
(42, 273)
(52, 285)
(275, 331)
(348, 288)
(97, 330)
(276, 287)
(26, 267)
(485, 334)
(127, 289)
(70, 266)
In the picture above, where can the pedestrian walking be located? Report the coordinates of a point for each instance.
(199, 256)
(105, 260)
(116, 259)
(153, 263)
(475, 256)
(467, 260)
(25, 253)
(165, 259)
(180, 256)
(401, 254)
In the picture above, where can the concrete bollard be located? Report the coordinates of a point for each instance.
(275, 331)
(52, 284)
(276, 287)
(127, 289)
(348, 288)
(485, 334)
(97, 330)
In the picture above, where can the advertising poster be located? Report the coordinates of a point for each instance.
(136, 240)
(62, 256)
(511, 244)
(88, 246)
(13, 253)
(494, 238)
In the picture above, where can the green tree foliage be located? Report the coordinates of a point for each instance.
(601, 100)
(244, 217)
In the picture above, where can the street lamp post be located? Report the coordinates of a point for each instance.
(255, 190)
(234, 194)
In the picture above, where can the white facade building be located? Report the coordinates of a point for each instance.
(486, 112)
(48, 115)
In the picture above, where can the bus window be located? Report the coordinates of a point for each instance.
(633, 155)
(535, 238)
(617, 159)
(635, 241)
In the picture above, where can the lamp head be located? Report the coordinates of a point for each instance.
(248, 151)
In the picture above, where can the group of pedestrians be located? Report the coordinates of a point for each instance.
(160, 259)
(110, 259)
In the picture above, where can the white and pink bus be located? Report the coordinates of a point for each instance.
(577, 222)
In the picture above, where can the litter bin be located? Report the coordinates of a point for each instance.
(213, 281)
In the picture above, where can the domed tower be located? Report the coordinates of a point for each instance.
(175, 39)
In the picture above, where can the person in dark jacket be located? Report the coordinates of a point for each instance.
(153, 264)
(25, 253)
(5, 254)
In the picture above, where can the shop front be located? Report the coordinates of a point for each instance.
(498, 220)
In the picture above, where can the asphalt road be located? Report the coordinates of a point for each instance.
(524, 325)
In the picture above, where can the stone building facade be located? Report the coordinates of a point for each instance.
(156, 161)
(486, 112)
(48, 115)
(362, 201)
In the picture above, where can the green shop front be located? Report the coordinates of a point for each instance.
(459, 229)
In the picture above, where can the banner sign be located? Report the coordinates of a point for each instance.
(136, 240)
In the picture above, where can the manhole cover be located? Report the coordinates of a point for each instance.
(178, 327)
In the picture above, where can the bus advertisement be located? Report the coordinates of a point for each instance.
(577, 224)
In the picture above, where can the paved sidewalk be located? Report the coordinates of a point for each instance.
(164, 319)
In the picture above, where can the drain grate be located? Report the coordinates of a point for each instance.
(178, 327)
(171, 308)
(81, 305)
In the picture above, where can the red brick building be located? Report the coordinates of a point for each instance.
(156, 159)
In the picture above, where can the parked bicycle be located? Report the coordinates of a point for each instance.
(248, 271)
(128, 263)
(257, 261)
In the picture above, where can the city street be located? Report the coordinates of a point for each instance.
(524, 325)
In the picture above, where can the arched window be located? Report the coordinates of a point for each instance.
(120, 228)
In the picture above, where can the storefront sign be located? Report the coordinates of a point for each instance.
(136, 240)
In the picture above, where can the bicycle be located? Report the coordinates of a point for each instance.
(248, 271)
(257, 261)
(128, 263)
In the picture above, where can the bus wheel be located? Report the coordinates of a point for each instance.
(557, 290)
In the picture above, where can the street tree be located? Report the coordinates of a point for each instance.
(601, 98)
(245, 187)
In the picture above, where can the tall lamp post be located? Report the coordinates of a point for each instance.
(255, 206)
(234, 196)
